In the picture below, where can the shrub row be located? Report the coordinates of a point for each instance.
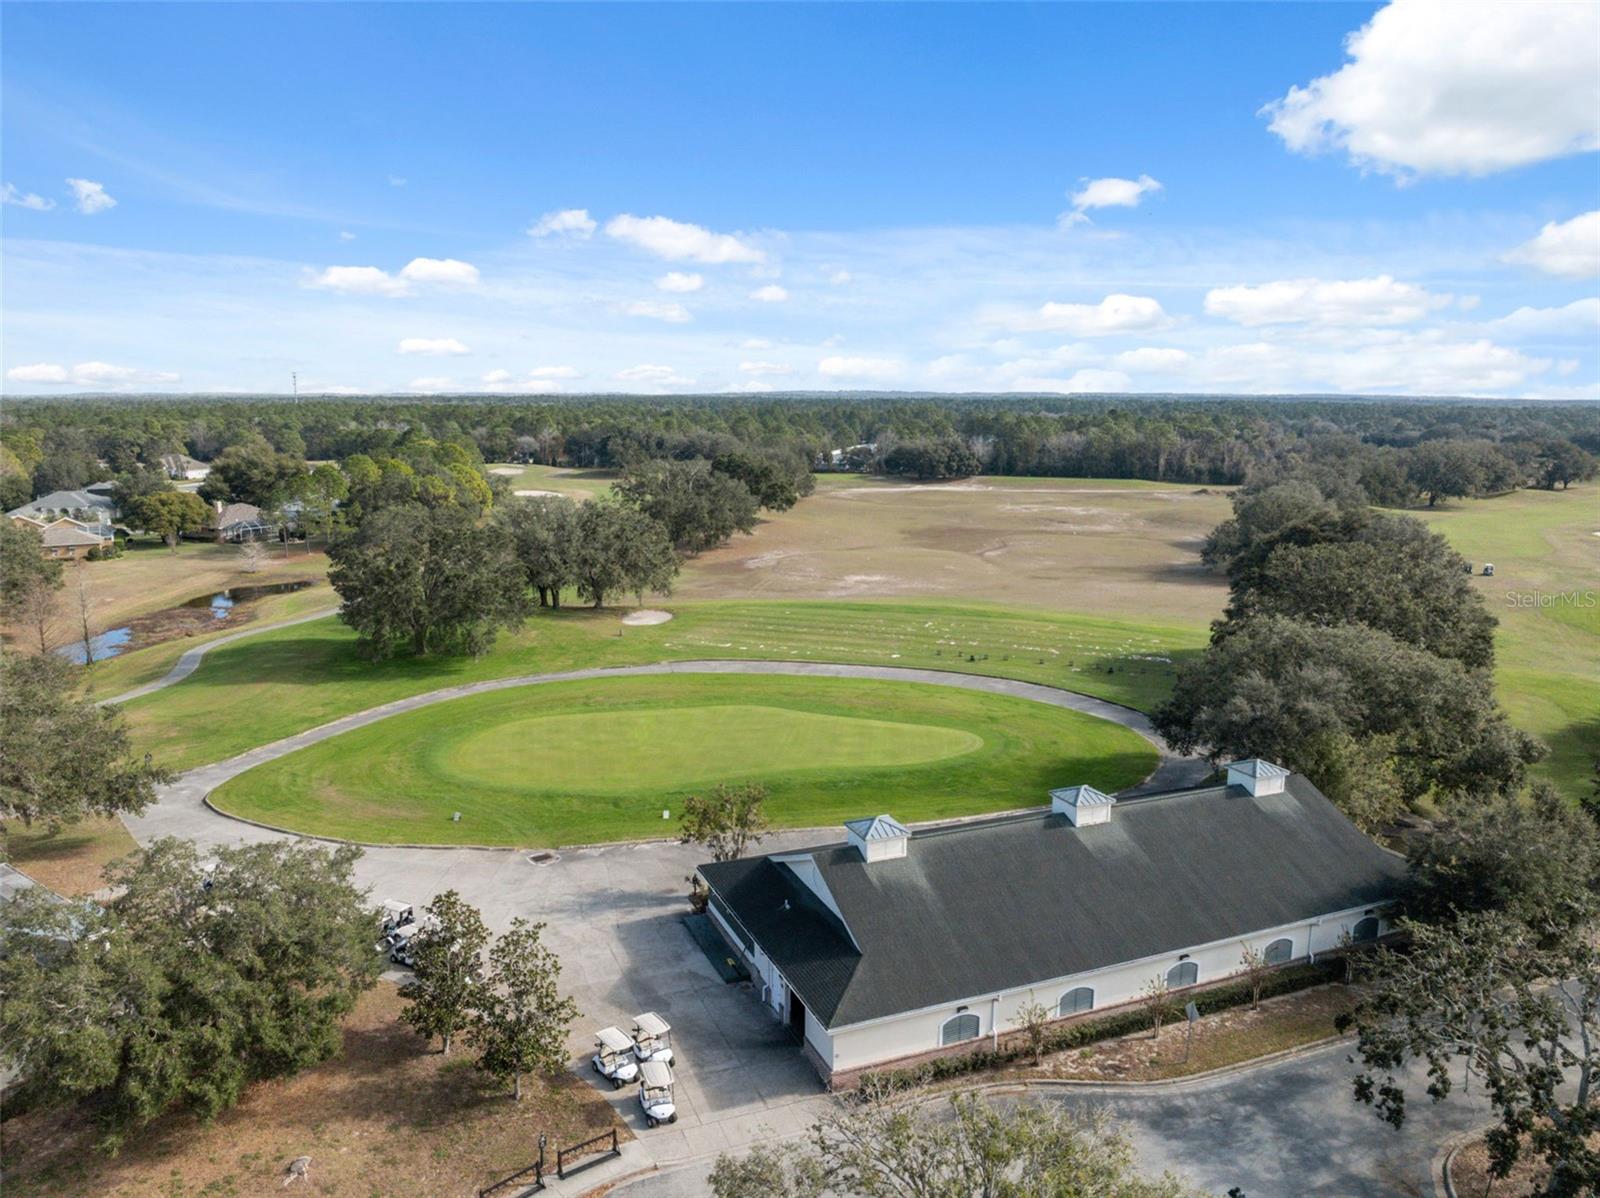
(1134, 1017)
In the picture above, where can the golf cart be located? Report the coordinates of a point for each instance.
(652, 1038)
(394, 915)
(612, 1057)
(655, 1093)
(400, 944)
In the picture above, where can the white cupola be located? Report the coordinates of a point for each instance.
(881, 838)
(1257, 776)
(1082, 805)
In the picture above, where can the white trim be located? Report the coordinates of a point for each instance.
(1310, 921)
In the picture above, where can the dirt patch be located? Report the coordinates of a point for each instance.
(1469, 1173)
(535, 494)
(72, 861)
(647, 615)
(506, 471)
(388, 1117)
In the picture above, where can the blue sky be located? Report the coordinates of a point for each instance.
(671, 198)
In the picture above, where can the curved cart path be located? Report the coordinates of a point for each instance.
(190, 661)
(183, 799)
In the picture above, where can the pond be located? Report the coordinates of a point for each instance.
(223, 602)
(106, 644)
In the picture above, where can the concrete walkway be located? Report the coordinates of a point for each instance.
(190, 661)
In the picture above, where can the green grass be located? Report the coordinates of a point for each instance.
(270, 686)
(600, 760)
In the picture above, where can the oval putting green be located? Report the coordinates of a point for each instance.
(568, 762)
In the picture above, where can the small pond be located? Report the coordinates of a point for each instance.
(223, 602)
(106, 644)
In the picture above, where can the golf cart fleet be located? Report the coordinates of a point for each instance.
(655, 1093)
(613, 1057)
(398, 926)
(652, 1038)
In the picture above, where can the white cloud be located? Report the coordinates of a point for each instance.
(766, 368)
(1114, 314)
(38, 372)
(665, 376)
(1151, 359)
(860, 368)
(1577, 319)
(755, 343)
(1450, 88)
(770, 294)
(435, 346)
(1570, 248)
(497, 376)
(346, 235)
(433, 382)
(396, 181)
(672, 313)
(677, 280)
(1376, 301)
(1108, 193)
(90, 197)
(87, 374)
(749, 387)
(449, 272)
(677, 241)
(12, 194)
(569, 222)
(358, 280)
(839, 278)
(554, 372)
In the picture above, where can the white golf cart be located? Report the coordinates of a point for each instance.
(613, 1057)
(655, 1093)
(393, 915)
(652, 1038)
(400, 944)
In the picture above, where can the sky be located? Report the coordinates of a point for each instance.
(547, 198)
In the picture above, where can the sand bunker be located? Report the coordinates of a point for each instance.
(533, 494)
(508, 471)
(646, 615)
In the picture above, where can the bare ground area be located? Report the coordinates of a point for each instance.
(388, 1117)
(1469, 1173)
(72, 860)
(1095, 546)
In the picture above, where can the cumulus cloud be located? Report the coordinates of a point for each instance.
(1150, 359)
(839, 278)
(12, 194)
(840, 367)
(346, 235)
(497, 376)
(677, 241)
(1375, 301)
(1108, 193)
(87, 374)
(766, 368)
(672, 313)
(770, 294)
(1114, 314)
(1577, 319)
(90, 197)
(679, 281)
(358, 280)
(664, 376)
(1448, 88)
(434, 346)
(554, 372)
(449, 272)
(569, 222)
(1570, 248)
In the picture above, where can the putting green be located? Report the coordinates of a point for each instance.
(600, 760)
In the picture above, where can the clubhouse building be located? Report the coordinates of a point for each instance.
(895, 945)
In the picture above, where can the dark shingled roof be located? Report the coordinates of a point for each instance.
(1001, 904)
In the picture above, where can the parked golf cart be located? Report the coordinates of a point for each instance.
(655, 1093)
(394, 915)
(652, 1038)
(400, 941)
(613, 1057)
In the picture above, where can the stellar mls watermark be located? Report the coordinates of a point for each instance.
(1576, 599)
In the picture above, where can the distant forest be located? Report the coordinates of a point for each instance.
(1385, 451)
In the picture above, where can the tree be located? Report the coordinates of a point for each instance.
(1253, 965)
(1445, 469)
(620, 549)
(252, 556)
(427, 579)
(188, 986)
(63, 757)
(543, 531)
(1260, 512)
(23, 565)
(1564, 463)
(169, 514)
(726, 821)
(775, 485)
(699, 507)
(249, 472)
(320, 495)
(1032, 1020)
(445, 986)
(1515, 1006)
(1156, 998)
(522, 1019)
(39, 611)
(882, 1144)
(931, 460)
(136, 483)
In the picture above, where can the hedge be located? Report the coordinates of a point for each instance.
(1125, 1022)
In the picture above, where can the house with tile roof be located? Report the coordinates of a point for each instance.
(67, 538)
(896, 944)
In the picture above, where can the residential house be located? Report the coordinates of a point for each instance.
(91, 505)
(181, 467)
(67, 538)
(894, 945)
(234, 522)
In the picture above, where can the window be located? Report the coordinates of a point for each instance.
(1279, 951)
(1073, 1001)
(957, 1029)
(1366, 929)
(1184, 973)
